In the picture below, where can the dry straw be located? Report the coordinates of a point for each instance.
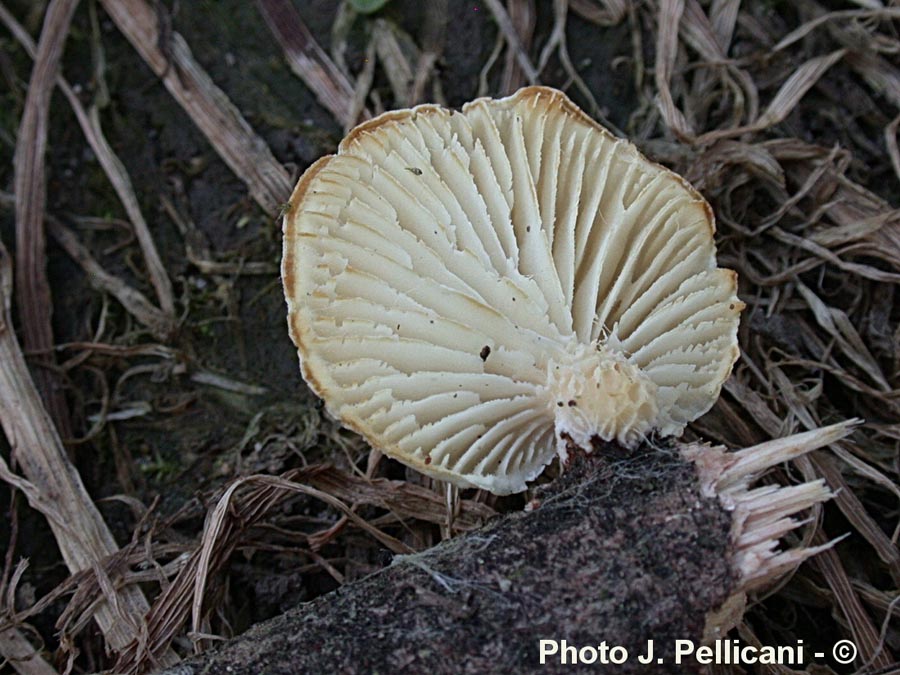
(785, 121)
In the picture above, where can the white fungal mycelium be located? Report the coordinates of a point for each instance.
(476, 291)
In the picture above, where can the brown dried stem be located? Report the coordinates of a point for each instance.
(21, 655)
(508, 30)
(32, 288)
(522, 15)
(308, 60)
(137, 304)
(612, 12)
(207, 105)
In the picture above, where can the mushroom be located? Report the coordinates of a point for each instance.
(477, 292)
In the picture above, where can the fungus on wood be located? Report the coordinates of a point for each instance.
(643, 548)
(479, 292)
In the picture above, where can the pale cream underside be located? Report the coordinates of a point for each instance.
(444, 263)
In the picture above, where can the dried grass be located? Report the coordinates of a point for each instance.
(53, 486)
(751, 106)
(115, 170)
(249, 502)
(32, 287)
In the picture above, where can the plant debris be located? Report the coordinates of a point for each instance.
(223, 494)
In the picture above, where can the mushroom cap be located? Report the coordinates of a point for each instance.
(474, 292)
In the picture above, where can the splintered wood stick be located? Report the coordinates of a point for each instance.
(52, 484)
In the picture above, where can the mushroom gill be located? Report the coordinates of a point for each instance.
(474, 291)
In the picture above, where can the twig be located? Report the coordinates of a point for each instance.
(394, 61)
(228, 384)
(81, 534)
(220, 268)
(160, 324)
(307, 59)
(24, 658)
(33, 289)
(199, 255)
(207, 105)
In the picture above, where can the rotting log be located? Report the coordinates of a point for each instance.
(657, 545)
